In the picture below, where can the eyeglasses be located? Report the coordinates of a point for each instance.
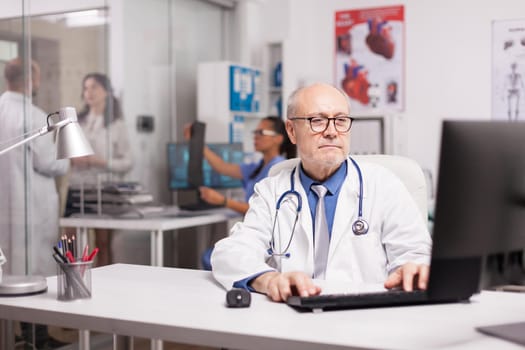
(342, 123)
(264, 132)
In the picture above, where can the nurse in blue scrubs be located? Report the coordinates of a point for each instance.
(271, 140)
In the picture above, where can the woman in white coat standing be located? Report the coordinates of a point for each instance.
(271, 253)
(28, 196)
(103, 124)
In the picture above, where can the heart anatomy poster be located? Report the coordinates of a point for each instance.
(369, 57)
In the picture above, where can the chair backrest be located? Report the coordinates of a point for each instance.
(408, 171)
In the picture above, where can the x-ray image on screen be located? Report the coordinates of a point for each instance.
(178, 160)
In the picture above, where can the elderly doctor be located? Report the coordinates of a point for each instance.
(280, 252)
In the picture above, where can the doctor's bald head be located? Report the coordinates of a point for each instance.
(318, 122)
(17, 76)
(294, 100)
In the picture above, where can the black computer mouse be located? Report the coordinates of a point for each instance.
(238, 297)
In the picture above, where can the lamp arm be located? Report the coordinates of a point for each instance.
(39, 132)
(42, 131)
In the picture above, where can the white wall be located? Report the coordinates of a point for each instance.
(248, 21)
(448, 53)
(448, 57)
(145, 71)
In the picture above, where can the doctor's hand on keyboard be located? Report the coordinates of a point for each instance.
(280, 285)
(409, 276)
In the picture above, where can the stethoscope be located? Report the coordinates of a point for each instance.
(359, 226)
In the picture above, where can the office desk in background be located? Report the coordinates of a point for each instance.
(188, 306)
(156, 226)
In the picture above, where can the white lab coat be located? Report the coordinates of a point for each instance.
(397, 232)
(36, 184)
(110, 143)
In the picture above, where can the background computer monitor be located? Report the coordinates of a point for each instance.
(480, 204)
(195, 176)
(178, 160)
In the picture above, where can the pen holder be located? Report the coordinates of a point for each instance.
(74, 280)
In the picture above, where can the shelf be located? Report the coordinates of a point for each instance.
(273, 58)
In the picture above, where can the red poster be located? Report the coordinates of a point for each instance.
(369, 57)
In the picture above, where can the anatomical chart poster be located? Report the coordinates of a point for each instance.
(508, 70)
(369, 57)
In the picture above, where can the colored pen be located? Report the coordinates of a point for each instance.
(58, 258)
(70, 256)
(69, 245)
(74, 246)
(59, 254)
(64, 244)
(93, 254)
(85, 253)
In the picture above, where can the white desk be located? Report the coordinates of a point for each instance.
(187, 306)
(156, 226)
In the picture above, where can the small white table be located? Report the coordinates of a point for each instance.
(188, 306)
(156, 226)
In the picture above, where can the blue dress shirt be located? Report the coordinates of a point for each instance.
(333, 185)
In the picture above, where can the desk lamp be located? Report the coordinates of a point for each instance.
(71, 143)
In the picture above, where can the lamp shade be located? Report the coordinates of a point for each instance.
(71, 141)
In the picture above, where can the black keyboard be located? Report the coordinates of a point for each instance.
(357, 301)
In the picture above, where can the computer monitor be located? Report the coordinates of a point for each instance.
(480, 204)
(195, 174)
(178, 162)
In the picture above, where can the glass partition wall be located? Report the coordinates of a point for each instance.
(140, 51)
(53, 53)
(43, 59)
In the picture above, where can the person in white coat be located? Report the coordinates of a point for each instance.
(269, 253)
(103, 123)
(28, 196)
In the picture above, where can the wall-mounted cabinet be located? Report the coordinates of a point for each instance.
(228, 101)
(274, 78)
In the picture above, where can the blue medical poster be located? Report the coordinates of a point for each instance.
(244, 89)
(237, 129)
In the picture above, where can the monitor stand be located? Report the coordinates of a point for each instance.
(199, 204)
